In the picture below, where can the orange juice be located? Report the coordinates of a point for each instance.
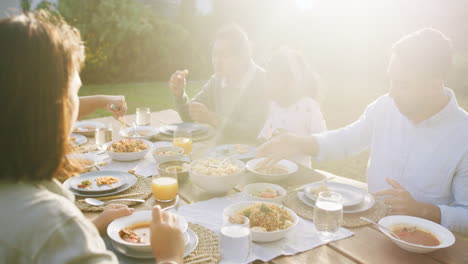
(165, 188)
(185, 143)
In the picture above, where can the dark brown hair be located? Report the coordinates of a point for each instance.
(39, 55)
(426, 53)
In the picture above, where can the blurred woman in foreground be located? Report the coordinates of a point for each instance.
(40, 59)
(292, 88)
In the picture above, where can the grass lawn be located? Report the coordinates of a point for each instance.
(340, 107)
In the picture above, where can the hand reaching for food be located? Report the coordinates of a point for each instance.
(110, 213)
(177, 82)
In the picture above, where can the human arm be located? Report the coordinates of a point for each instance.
(89, 104)
(109, 214)
(167, 239)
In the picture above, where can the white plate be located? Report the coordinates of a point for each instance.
(230, 150)
(251, 189)
(92, 176)
(365, 205)
(79, 139)
(129, 182)
(351, 194)
(84, 127)
(443, 234)
(127, 251)
(146, 132)
(194, 128)
(291, 166)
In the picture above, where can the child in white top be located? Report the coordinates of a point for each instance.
(292, 88)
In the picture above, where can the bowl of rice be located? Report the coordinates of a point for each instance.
(216, 180)
(268, 221)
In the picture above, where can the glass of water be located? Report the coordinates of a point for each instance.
(143, 116)
(102, 136)
(328, 213)
(235, 240)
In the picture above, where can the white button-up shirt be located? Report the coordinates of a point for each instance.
(429, 159)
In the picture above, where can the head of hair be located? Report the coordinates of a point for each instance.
(426, 53)
(290, 67)
(236, 39)
(39, 54)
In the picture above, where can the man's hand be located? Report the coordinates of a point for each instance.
(110, 213)
(118, 103)
(177, 82)
(167, 239)
(400, 202)
(201, 114)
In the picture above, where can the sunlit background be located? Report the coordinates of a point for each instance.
(134, 45)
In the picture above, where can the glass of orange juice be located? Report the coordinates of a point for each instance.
(183, 139)
(165, 186)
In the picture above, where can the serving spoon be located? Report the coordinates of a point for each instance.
(97, 202)
(381, 226)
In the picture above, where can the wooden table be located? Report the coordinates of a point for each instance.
(367, 245)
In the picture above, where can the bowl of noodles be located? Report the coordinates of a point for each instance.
(128, 149)
(268, 221)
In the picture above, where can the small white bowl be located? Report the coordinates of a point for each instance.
(129, 156)
(163, 158)
(261, 236)
(217, 184)
(146, 132)
(137, 217)
(445, 237)
(251, 189)
(291, 166)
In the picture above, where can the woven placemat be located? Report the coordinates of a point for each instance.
(143, 185)
(207, 251)
(349, 220)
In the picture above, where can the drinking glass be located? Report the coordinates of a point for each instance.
(102, 136)
(143, 116)
(165, 186)
(328, 213)
(183, 139)
(235, 240)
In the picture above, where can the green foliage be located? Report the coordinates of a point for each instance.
(126, 42)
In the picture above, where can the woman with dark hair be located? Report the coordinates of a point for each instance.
(293, 89)
(40, 60)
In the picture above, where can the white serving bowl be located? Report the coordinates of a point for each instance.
(291, 166)
(87, 156)
(261, 236)
(163, 158)
(445, 237)
(137, 217)
(148, 131)
(251, 189)
(130, 156)
(217, 184)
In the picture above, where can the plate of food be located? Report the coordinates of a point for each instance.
(416, 234)
(78, 139)
(214, 177)
(128, 149)
(130, 180)
(139, 132)
(268, 221)
(87, 128)
(237, 151)
(366, 204)
(277, 172)
(351, 195)
(266, 192)
(97, 181)
(194, 128)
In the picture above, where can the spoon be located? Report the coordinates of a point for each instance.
(381, 226)
(322, 181)
(222, 162)
(97, 202)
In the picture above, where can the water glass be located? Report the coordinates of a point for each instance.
(102, 136)
(143, 116)
(165, 186)
(235, 240)
(328, 213)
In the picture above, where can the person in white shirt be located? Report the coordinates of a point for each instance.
(417, 134)
(292, 90)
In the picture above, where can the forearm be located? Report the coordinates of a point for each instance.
(89, 104)
(100, 225)
(181, 104)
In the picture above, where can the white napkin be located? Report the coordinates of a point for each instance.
(302, 238)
